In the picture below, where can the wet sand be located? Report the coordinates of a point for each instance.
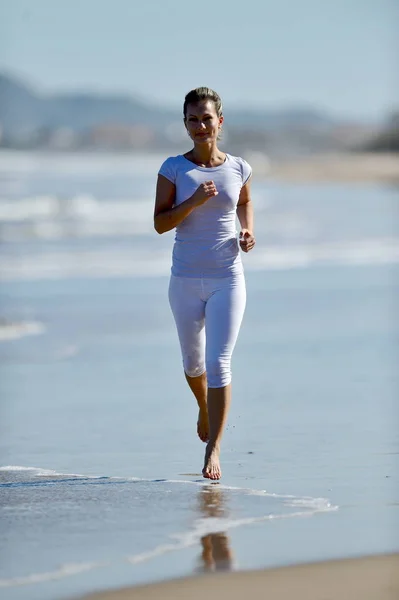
(368, 578)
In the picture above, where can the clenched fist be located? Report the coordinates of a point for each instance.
(204, 192)
(247, 240)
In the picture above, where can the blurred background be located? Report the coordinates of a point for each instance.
(91, 100)
(295, 79)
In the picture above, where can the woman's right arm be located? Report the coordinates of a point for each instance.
(166, 215)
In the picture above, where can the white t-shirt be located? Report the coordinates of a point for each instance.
(206, 241)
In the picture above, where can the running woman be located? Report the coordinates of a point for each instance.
(200, 194)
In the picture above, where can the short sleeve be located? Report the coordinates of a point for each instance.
(246, 171)
(168, 169)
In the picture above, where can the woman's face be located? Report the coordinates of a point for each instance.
(202, 123)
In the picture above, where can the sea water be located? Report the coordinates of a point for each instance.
(100, 483)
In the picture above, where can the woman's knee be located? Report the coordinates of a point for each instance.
(193, 366)
(218, 372)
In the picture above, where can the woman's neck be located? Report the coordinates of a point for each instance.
(206, 155)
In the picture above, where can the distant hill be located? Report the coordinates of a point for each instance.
(30, 119)
(22, 107)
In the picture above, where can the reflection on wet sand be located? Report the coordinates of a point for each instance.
(216, 553)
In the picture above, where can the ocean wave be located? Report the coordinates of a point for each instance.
(308, 502)
(50, 217)
(81, 216)
(17, 330)
(360, 252)
(203, 526)
(140, 262)
(79, 163)
(64, 571)
(39, 472)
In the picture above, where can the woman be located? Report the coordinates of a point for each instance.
(200, 194)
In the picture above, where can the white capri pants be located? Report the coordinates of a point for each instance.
(208, 313)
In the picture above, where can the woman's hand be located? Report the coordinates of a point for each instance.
(204, 192)
(247, 240)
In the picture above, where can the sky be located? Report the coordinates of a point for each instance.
(336, 55)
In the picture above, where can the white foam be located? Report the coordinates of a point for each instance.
(139, 262)
(39, 472)
(31, 208)
(15, 331)
(315, 504)
(81, 216)
(64, 571)
(18, 468)
(361, 252)
(308, 502)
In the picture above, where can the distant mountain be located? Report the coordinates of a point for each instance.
(23, 108)
(19, 106)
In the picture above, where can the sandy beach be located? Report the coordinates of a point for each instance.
(369, 578)
(333, 168)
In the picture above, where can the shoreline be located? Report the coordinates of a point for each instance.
(366, 578)
(354, 168)
(323, 167)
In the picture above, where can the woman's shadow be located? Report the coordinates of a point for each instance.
(216, 554)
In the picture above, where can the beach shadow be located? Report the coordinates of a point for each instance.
(216, 553)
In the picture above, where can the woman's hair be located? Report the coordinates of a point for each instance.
(203, 93)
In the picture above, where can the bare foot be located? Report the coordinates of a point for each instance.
(211, 468)
(203, 425)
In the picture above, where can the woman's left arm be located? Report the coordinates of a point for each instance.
(245, 214)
